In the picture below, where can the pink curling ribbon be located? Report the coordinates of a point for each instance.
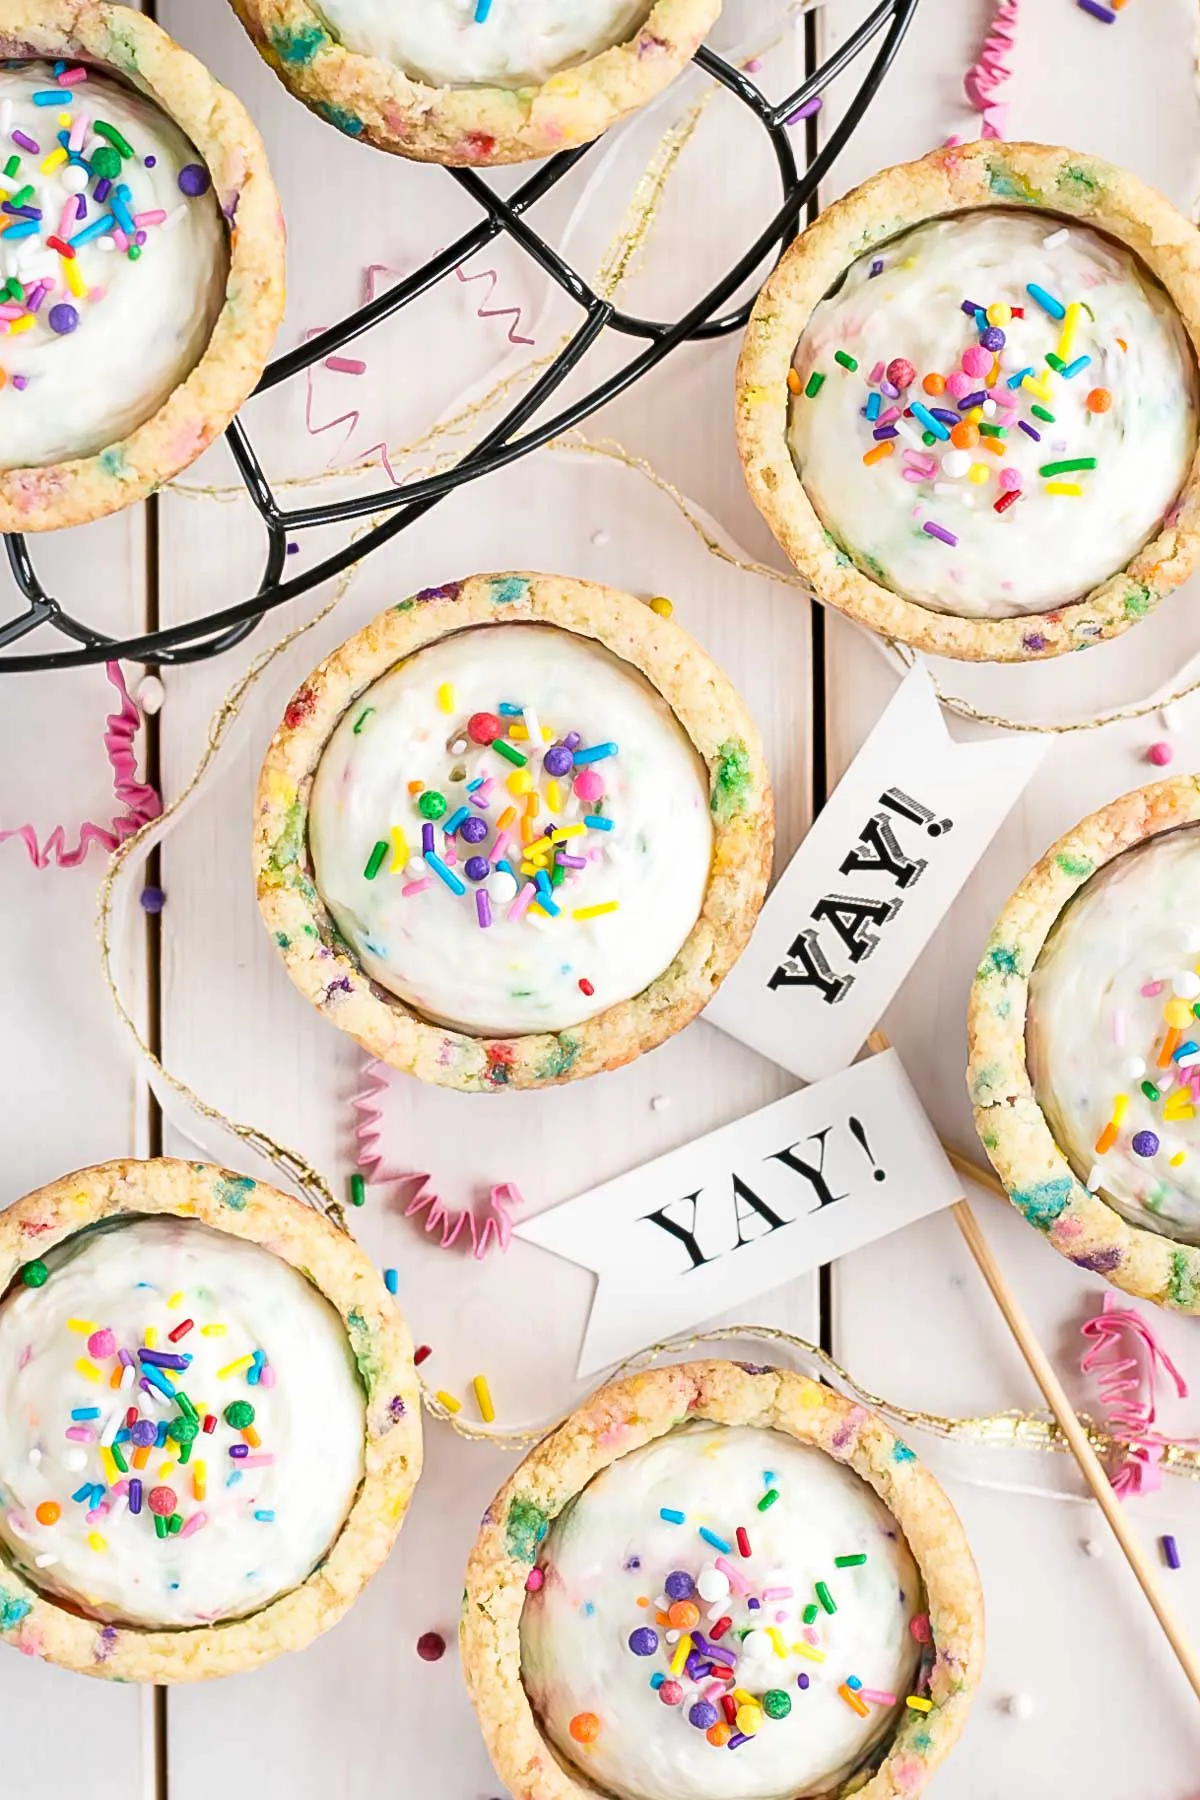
(492, 1228)
(1127, 1360)
(141, 802)
(484, 311)
(986, 77)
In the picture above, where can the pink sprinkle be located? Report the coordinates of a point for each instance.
(121, 1488)
(81, 1434)
(1152, 990)
(1010, 479)
(779, 1593)
(10, 310)
(449, 853)
(97, 1513)
(522, 903)
(197, 1522)
(534, 1580)
(1160, 755)
(781, 1616)
(885, 418)
(154, 217)
(503, 840)
(119, 238)
(70, 77)
(266, 1376)
(256, 1462)
(78, 132)
(341, 365)
(811, 1635)
(876, 1696)
(414, 887)
(959, 385)
(66, 223)
(25, 1357)
(737, 1580)
(876, 375)
(915, 475)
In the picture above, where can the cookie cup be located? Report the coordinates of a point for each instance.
(371, 99)
(41, 1625)
(131, 46)
(742, 811)
(628, 1414)
(1069, 187)
(1011, 1124)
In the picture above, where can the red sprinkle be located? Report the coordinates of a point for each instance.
(431, 1646)
(1007, 500)
(721, 1672)
(585, 987)
(729, 1708)
(181, 1330)
(131, 1418)
(210, 1422)
(421, 1353)
(743, 1542)
(56, 243)
(720, 1628)
(1018, 312)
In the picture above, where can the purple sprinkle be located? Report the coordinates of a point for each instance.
(1033, 640)
(1144, 1143)
(572, 862)
(135, 1496)
(944, 414)
(396, 1408)
(239, 1450)
(144, 1433)
(876, 268)
(26, 143)
(884, 431)
(194, 180)
(806, 111)
(739, 1737)
(473, 830)
(679, 1585)
(163, 1359)
(643, 1641)
(754, 1604)
(1105, 14)
(1029, 430)
(80, 207)
(976, 399)
(572, 741)
(893, 393)
(426, 840)
(970, 308)
(483, 908)
(939, 531)
(153, 900)
(150, 162)
(802, 1681)
(293, 549)
(125, 1357)
(103, 189)
(1170, 1550)
(20, 382)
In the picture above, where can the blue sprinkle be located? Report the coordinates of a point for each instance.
(51, 96)
(547, 905)
(543, 883)
(852, 1681)
(454, 821)
(123, 1436)
(509, 711)
(447, 875)
(874, 407)
(981, 322)
(1184, 1050)
(264, 1517)
(473, 787)
(154, 1376)
(83, 1493)
(928, 421)
(596, 822)
(1014, 381)
(671, 1516)
(597, 753)
(96, 229)
(391, 1280)
(256, 1368)
(1046, 301)
(657, 1679)
(85, 1412)
(718, 1543)
(482, 9)
(1074, 368)
(161, 1439)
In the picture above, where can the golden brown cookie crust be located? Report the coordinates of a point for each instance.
(1012, 1127)
(39, 1625)
(133, 47)
(624, 1416)
(716, 721)
(985, 174)
(371, 99)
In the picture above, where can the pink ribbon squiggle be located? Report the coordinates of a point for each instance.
(484, 311)
(491, 1228)
(140, 801)
(1127, 1359)
(992, 71)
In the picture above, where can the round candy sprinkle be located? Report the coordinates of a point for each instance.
(776, 1703)
(162, 1501)
(431, 1646)
(484, 727)
(670, 1693)
(557, 760)
(502, 887)
(183, 1431)
(62, 318)
(432, 805)
(1010, 480)
(477, 868)
(143, 1433)
(106, 163)
(48, 1513)
(589, 785)
(992, 338)
(683, 1614)
(585, 1728)
(901, 373)
(712, 1585)
(679, 1585)
(999, 314)
(1186, 985)
(239, 1414)
(194, 180)
(976, 360)
(749, 1718)
(956, 463)
(35, 1274)
(662, 606)
(1098, 401)
(964, 436)
(1144, 1143)
(473, 830)
(718, 1735)
(102, 1344)
(958, 385)
(703, 1715)
(1160, 755)
(1177, 1013)
(643, 1641)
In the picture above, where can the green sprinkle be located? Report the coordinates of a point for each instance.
(432, 805)
(175, 1524)
(849, 1562)
(119, 1458)
(358, 1190)
(112, 136)
(362, 718)
(993, 431)
(12, 167)
(928, 438)
(1039, 412)
(23, 198)
(810, 1613)
(1056, 362)
(14, 291)
(239, 1414)
(1150, 1091)
(506, 750)
(768, 1499)
(815, 384)
(375, 862)
(1067, 465)
(35, 1274)
(847, 361)
(825, 1597)
(776, 1703)
(160, 1526)
(186, 1407)
(185, 1452)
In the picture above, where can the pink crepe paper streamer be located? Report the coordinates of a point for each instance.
(1127, 1359)
(494, 1228)
(985, 78)
(141, 802)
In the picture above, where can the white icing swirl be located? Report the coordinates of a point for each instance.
(1094, 1034)
(266, 1518)
(142, 325)
(610, 1546)
(517, 974)
(1045, 548)
(520, 43)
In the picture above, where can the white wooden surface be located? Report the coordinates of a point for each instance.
(909, 1317)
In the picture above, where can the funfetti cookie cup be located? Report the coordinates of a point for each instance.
(211, 1429)
(448, 81)
(721, 1581)
(966, 402)
(1083, 1044)
(146, 261)
(514, 832)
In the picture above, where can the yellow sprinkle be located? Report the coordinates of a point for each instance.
(166, 1469)
(998, 313)
(1179, 1157)
(1063, 487)
(71, 275)
(234, 1368)
(748, 1719)
(554, 796)
(917, 1704)
(24, 323)
(978, 473)
(87, 1368)
(594, 912)
(151, 1336)
(507, 817)
(176, 1300)
(1177, 1014)
(1120, 1107)
(84, 1327)
(55, 160)
(445, 697)
(96, 1542)
(212, 1331)
(743, 1698)
(519, 782)
(541, 909)
(64, 119)
(1069, 326)
(808, 1650)
(517, 730)
(777, 1640)
(1038, 386)
(199, 1480)
(1177, 1107)
(564, 832)
(109, 1464)
(483, 1397)
(810, 1395)
(399, 849)
(683, 1650)
(530, 868)
(542, 849)
(448, 1401)
(976, 413)
(662, 606)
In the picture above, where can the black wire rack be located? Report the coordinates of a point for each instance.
(529, 424)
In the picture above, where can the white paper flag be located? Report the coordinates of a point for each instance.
(749, 1206)
(868, 886)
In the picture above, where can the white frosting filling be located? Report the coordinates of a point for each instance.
(426, 943)
(141, 323)
(1045, 548)
(519, 43)
(1124, 951)
(266, 1518)
(611, 1546)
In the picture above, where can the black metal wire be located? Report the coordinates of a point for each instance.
(522, 429)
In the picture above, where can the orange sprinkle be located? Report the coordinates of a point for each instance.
(852, 1700)
(507, 817)
(1107, 1138)
(642, 1600)
(661, 1618)
(1170, 1045)
(415, 787)
(533, 805)
(719, 1734)
(683, 1614)
(585, 1727)
(964, 435)
(1099, 400)
(934, 384)
(251, 1437)
(1122, 343)
(794, 382)
(114, 1380)
(48, 1513)
(879, 452)
(994, 445)
(141, 1456)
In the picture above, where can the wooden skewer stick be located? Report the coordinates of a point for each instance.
(1042, 1370)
